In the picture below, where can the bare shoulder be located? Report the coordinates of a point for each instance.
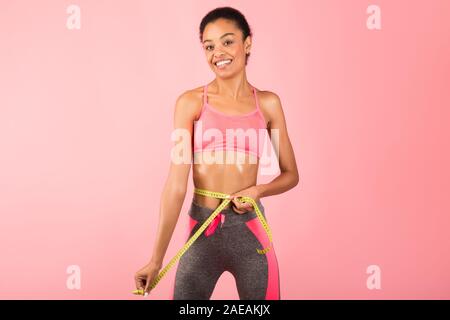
(191, 98)
(270, 104)
(190, 101)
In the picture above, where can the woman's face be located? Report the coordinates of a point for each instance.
(223, 44)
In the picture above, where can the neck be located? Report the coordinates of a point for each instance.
(234, 88)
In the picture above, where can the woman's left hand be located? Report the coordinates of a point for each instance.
(243, 207)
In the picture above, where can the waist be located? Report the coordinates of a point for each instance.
(200, 213)
(227, 178)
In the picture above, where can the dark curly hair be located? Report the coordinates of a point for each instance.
(230, 14)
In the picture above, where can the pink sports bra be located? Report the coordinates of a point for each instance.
(215, 130)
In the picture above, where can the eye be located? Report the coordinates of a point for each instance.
(228, 41)
(208, 47)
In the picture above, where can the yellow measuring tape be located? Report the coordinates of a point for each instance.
(227, 199)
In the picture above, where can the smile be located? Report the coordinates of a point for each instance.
(222, 63)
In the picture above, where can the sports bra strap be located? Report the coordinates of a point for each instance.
(256, 99)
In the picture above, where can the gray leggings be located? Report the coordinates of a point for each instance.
(231, 247)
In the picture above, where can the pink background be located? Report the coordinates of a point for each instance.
(86, 117)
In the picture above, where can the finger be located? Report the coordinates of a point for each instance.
(237, 210)
(237, 205)
(243, 205)
(238, 201)
(139, 282)
(147, 287)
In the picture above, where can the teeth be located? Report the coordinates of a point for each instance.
(222, 62)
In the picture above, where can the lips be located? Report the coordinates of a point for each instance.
(222, 63)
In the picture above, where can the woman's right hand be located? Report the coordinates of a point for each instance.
(145, 276)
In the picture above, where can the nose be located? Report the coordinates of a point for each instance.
(218, 55)
(218, 52)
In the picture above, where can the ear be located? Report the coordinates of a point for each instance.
(248, 44)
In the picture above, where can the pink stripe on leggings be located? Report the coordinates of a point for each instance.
(273, 289)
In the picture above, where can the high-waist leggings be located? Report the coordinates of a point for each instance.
(231, 247)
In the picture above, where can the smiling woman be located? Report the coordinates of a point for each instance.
(208, 113)
(231, 44)
(228, 15)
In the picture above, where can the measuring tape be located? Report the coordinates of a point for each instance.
(227, 199)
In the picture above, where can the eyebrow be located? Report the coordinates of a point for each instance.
(226, 34)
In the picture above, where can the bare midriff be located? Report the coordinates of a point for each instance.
(220, 176)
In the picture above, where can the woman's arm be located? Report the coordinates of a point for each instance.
(174, 190)
(288, 178)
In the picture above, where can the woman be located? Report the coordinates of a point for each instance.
(228, 102)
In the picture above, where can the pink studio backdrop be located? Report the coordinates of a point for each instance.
(86, 117)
